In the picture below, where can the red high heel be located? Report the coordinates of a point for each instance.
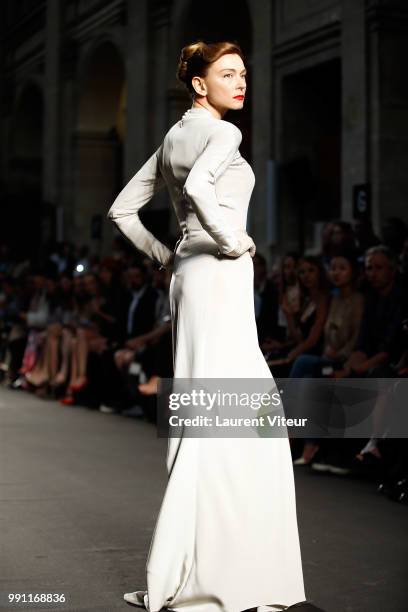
(68, 400)
(77, 388)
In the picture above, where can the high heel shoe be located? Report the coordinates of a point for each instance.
(36, 384)
(77, 388)
(68, 400)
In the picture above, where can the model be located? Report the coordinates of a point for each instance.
(226, 537)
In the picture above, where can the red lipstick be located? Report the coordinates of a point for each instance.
(239, 97)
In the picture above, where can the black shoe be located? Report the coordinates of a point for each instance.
(304, 606)
(370, 467)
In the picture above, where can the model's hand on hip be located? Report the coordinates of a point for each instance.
(245, 243)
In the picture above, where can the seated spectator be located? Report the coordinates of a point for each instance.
(337, 237)
(266, 300)
(289, 298)
(342, 324)
(157, 359)
(378, 342)
(97, 326)
(136, 318)
(13, 333)
(139, 313)
(35, 318)
(305, 327)
(340, 332)
(61, 313)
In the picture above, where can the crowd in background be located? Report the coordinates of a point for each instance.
(97, 332)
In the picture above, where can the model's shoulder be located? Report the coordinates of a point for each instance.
(226, 129)
(172, 129)
(229, 127)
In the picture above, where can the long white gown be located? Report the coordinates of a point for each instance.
(226, 538)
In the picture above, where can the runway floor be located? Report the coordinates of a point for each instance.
(80, 490)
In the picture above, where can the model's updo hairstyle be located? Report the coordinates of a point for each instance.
(195, 59)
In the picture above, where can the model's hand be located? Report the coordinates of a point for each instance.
(271, 345)
(245, 243)
(135, 343)
(168, 261)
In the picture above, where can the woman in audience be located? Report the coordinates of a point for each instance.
(289, 299)
(305, 326)
(96, 325)
(61, 313)
(340, 331)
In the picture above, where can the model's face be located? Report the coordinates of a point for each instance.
(308, 275)
(340, 272)
(379, 271)
(223, 88)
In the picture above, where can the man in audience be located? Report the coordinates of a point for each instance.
(378, 342)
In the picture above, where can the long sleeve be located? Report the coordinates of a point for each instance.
(124, 211)
(199, 187)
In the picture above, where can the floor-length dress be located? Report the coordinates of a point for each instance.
(226, 538)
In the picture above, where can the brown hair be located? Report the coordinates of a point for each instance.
(195, 59)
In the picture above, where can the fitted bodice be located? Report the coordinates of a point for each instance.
(209, 183)
(182, 147)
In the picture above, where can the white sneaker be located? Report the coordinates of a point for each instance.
(320, 466)
(300, 461)
(106, 409)
(137, 598)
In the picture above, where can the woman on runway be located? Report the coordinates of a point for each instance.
(226, 538)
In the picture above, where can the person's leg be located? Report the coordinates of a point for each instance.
(74, 361)
(17, 342)
(82, 357)
(123, 358)
(307, 366)
(54, 339)
(66, 354)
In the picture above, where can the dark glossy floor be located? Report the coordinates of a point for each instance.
(79, 492)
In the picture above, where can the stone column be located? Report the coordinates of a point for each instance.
(51, 140)
(68, 152)
(388, 44)
(262, 203)
(51, 102)
(354, 114)
(136, 142)
(159, 74)
(158, 71)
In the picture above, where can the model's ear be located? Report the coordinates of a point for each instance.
(199, 86)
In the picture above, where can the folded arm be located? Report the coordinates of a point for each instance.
(124, 211)
(200, 190)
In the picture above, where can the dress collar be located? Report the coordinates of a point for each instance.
(197, 111)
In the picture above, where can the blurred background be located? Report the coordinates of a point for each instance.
(88, 90)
